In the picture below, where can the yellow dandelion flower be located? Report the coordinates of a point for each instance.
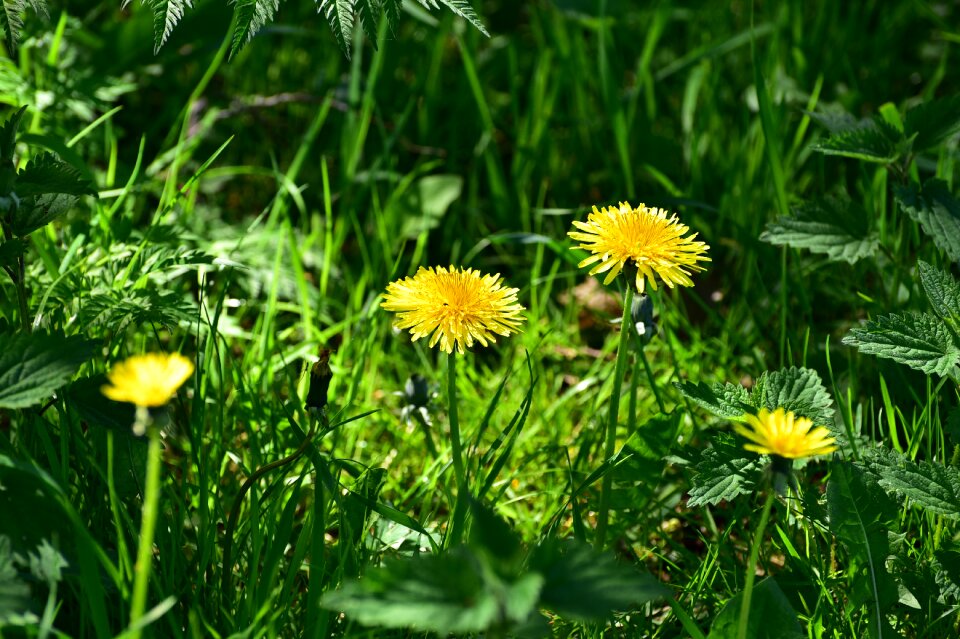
(147, 380)
(455, 307)
(654, 242)
(784, 434)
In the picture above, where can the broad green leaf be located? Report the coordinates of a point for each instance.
(942, 290)
(795, 389)
(8, 136)
(834, 227)
(936, 211)
(583, 584)
(860, 516)
(918, 340)
(490, 535)
(14, 592)
(725, 471)
(933, 122)
(643, 453)
(771, 615)
(34, 365)
(945, 567)
(443, 594)
(36, 212)
(48, 174)
(729, 401)
(930, 485)
(873, 142)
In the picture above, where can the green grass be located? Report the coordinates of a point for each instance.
(252, 211)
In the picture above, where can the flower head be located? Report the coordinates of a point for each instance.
(654, 242)
(147, 380)
(456, 307)
(783, 434)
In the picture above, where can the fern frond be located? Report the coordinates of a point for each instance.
(391, 8)
(463, 9)
(339, 15)
(251, 16)
(368, 13)
(11, 18)
(166, 15)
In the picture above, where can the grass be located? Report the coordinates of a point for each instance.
(252, 211)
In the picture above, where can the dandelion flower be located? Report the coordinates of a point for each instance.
(654, 242)
(455, 307)
(783, 434)
(148, 380)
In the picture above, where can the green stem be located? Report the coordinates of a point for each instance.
(653, 383)
(22, 294)
(610, 446)
(752, 567)
(456, 528)
(151, 501)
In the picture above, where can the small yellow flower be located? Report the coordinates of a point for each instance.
(783, 434)
(457, 307)
(147, 380)
(654, 242)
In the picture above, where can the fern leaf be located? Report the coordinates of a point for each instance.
(463, 9)
(339, 14)
(391, 8)
(11, 18)
(251, 16)
(368, 12)
(166, 15)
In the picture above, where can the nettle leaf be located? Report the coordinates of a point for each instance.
(942, 290)
(339, 15)
(918, 340)
(945, 567)
(724, 472)
(36, 212)
(583, 584)
(728, 401)
(936, 211)
(249, 17)
(795, 389)
(443, 594)
(930, 485)
(875, 141)
(8, 135)
(771, 615)
(46, 173)
(835, 227)
(860, 516)
(933, 122)
(34, 365)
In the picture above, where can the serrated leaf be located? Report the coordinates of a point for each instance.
(724, 472)
(795, 389)
(34, 365)
(368, 14)
(771, 615)
(930, 485)
(36, 212)
(945, 567)
(463, 9)
(933, 122)
(834, 227)
(339, 15)
(8, 135)
(46, 173)
(875, 141)
(936, 211)
(860, 515)
(583, 584)
(391, 8)
(11, 19)
(489, 534)
(251, 16)
(443, 594)
(942, 290)
(166, 15)
(918, 340)
(729, 401)
(115, 310)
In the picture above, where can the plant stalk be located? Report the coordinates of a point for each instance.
(610, 445)
(752, 567)
(459, 511)
(151, 502)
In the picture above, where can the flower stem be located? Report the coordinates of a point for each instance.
(752, 567)
(610, 445)
(459, 511)
(151, 501)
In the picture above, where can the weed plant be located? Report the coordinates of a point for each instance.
(214, 423)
